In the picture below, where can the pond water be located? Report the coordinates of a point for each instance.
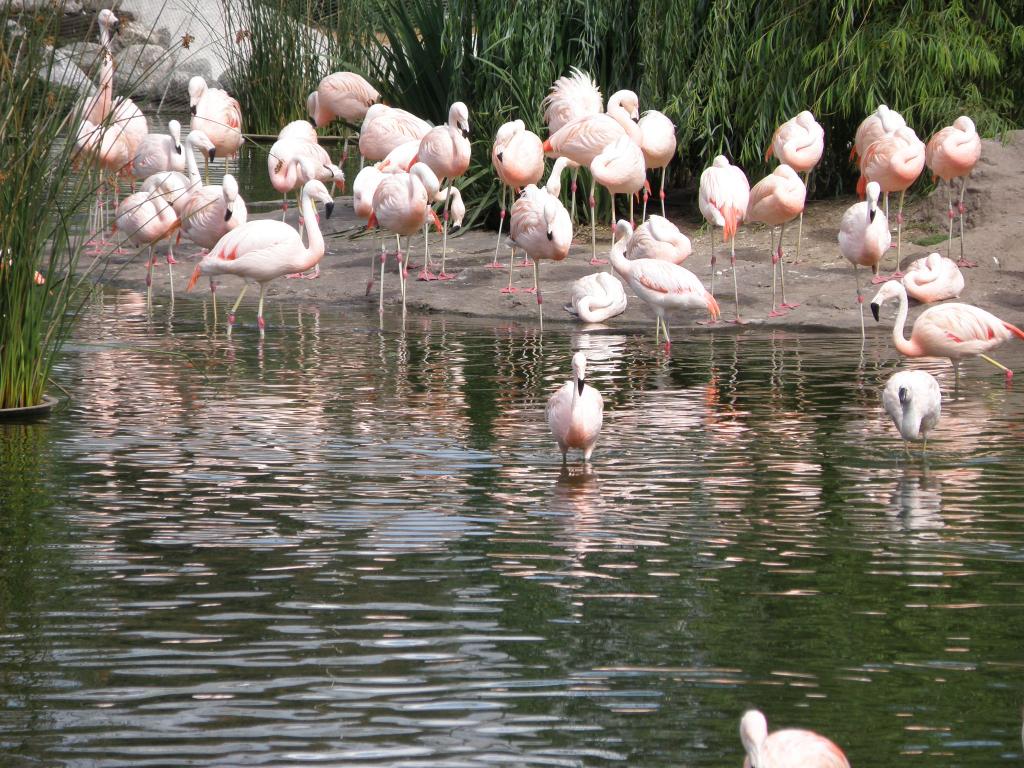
(354, 545)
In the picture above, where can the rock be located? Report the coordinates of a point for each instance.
(85, 55)
(143, 70)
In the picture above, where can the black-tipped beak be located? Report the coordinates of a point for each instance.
(501, 157)
(227, 215)
(313, 121)
(177, 148)
(550, 235)
(903, 394)
(874, 310)
(192, 110)
(871, 215)
(456, 227)
(117, 27)
(212, 153)
(580, 385)
(635, 119)
(329, 208)
(465, 133)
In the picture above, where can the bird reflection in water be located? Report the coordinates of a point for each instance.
(916, 501)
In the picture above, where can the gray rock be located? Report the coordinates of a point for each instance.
(87, 56)
(143, 69)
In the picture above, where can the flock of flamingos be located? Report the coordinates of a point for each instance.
(413, 166)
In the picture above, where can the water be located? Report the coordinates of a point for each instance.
(345, 545)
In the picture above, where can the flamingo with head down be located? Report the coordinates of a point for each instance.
(799, 143)
(788, 748)
(951, 154)
(933, 278)
(776, 200)
(723, 200)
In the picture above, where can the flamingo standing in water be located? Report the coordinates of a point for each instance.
(570, 97)
(894, 161)
(913, 401)
(776, 200)
(799, 143)
(955, 331)
(159, 152)
(661, 284)
(951, 154)
(620, 169)
(540, 226)
(262, 250)
(401, 204)
(100, 103)
(658, 141)
(863, 237)
(146, 219)
(446, 149)
(575, 412)
(212, 211)
(723, 200)
(286, 169)
(363, 188)
(518, 158)
(384, 128)
(659, 238)
(218, 115)
(788, 748)
(341, 95)
(933, 278)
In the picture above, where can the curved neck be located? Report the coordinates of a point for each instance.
(315, 251)
(618, 256)
(191, 165)
(903, 346)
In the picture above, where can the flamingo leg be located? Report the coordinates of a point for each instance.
(403, 271)
(712, 291)
(284, 205)
(170, 262)
(860, 304)
(495, 264)
(259, 312)
(234, 307)
(782, 270)
(383, 260)
(442, 275)
(643, 213)
(899, 237)
(997, 364)
(593, 227)
(426, 273)
(149, 277)
(206, 168)
(572, 194)
(952, 215)
(800, 226)
(540, 300)
(963, 262)
(511, 259)
(661, 190)
(775, 258)
(213, 292)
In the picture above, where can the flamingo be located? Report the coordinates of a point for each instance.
(159, 152)
(212, 211)
(933, 278)
(788, 748)
(262, 250)
(341, 95)
(575, 412)
(518, 159)
(540, 226)
(217, 114)
(658, 141)
(799, 143)
(620, 169)
(363, 187)
(894, 161)
(177, 187)
(384, 128)
(399, 159)
(285, 167)
(401, 204)
(146, 219)
(299, 129)
(571, 96)
(723, 200)
(98, 106)
(955, 331)
(863, 237)
(873, 127)
(913, 401)
(951, 154)
(661, 284)
(659, 238)
(445, 149)
(775, 200)
(107, 146)
(596, 298)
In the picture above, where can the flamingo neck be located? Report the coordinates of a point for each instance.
(621, 116)
(315, 251)
(618, 257)
(903, 346)
(192, 166)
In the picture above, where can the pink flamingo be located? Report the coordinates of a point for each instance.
(913, 401)
(951, 154)
(799, 143)
(879, 123)
(955, 331)
(384, 128)
(284, 165)
(341, 95)
(540, 226)
(658, 238)
(723, 199)
(262, 250)
(299, 129)
(620, 169)
(788, 748)
(575, 412)
(216, 113)
(147, 219)
(401, 204)
(597, 297)
(100, 103)
(661, 284)
(401, 158)
(658, 141)
(159, 152)
(518, 159)
(363, 188)
(863, 238)
(212, 211)
(775, 200)
(445, 149)
(933, 278)
(177, 187)
(894, 161)
(571, 96)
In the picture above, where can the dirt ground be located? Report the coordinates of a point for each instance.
(822, 283)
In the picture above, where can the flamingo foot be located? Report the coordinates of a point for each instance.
(495, 265)
(667, 346)
(788, 306)
(738, 321)
(706, 322)
(509, 289)
(524, 263)
(445, 276)
(426, 275)
(528, 290)
(879, 279)
(596, 262)
(171, 259)
(777, 312)
(1009, 376)
(965, 264)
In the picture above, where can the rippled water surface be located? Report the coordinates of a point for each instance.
(347, 545)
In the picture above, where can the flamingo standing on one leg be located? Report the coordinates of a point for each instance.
(658, 141)
(575, 412)
(913, 401)
(384, 128)
(363, 188)
(724, 198)
(401, 203)
(775, 200)
(873, 127)
(146, 219)
(955, 331)
(540, 225)
(661, 284)
(210, 213)
(933, 278)
(863, 238)
(951, 154)
(571, 96)
(894, 161)
(518, 159)
(659, 238)
(218, 115)
(341, 95)
(788, 748)
(799, 143)
(620, 169)
(262, 250)
(446, 149)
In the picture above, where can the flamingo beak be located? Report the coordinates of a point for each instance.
(871, 215)
(550, 235)
(313, 121)
(904, 395)
(192, 110)
(580, 385)
(177, 148)
(456, 228)
(501, 157)
(227, 215)
(329, 209)
(874, 310)
(212, 153)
